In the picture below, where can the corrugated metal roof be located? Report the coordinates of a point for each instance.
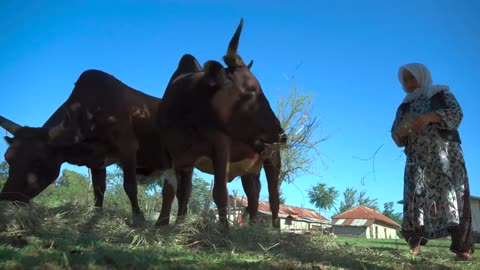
(359, 222)
(361, 215)
(338, 221)
(285, 210)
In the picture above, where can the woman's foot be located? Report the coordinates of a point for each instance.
(463, 256)
(415, 250)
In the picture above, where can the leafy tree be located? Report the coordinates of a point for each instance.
(282, 198)
(362, 199)
(147, 193)
(301, 150)
(200, 194)
(388, 211)
(354, 198)
(3, 173)
(323, 197)
(348, 201)
(70, 187)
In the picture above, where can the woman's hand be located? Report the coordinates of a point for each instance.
(405, 128)
(422, 120)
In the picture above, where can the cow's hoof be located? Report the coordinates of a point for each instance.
(98, 209)
(138, 219)
(463, 256)
(276, 224)
(180, 220)
(161, 224)
(225, 230)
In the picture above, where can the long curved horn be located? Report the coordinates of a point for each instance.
(232, 58)
(9, 125)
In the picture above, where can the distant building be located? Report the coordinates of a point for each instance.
(292, 219)
(364, 222)
(475, 206)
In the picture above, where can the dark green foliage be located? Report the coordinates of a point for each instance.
(70, 187)
(353, 198)
(3, 173)
(323, 197)
(200, 194)
(388, 211)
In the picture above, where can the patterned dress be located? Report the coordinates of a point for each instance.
(436, 193)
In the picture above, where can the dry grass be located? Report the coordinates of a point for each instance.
(78, 237)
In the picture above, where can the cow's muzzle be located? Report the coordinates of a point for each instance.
(283, 138)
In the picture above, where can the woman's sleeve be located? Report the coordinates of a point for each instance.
(451, 115)
(399, 140)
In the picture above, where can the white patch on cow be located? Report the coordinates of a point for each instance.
(32, 179)
(179, 77)
(89, 115)
(92, 127)
(75, 106)
(112, 119)
(171, 176)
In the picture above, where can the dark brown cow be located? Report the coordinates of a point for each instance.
(218, 120)
(248, 169)
(102, 122)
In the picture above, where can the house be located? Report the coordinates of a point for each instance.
(292, 219)
(365, 222)
(475, 208)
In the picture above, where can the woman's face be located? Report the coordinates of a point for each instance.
(409, 81)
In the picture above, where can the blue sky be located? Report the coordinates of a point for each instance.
(348, 52)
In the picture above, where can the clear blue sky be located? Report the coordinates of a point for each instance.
(349, 53)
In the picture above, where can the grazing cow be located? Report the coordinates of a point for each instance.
(248, 170)
(218, 120)
(102, 122)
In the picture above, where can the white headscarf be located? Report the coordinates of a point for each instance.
(423, 77)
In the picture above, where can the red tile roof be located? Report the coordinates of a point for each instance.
(285, 210)
(363, 212)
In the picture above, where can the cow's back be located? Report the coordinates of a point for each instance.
(111, 113)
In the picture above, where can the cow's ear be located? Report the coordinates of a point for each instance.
(215, 73)
(9, 140)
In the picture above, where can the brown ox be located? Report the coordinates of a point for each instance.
(218, 120)
(102, 122)
(248, 168)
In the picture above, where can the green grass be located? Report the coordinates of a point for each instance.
(76, 237)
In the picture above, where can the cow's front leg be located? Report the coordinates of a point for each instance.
(221, 159)
(130, 187)
(184, 192)
(99, 183)
(168, 195)
(251, 186)
(272, 172)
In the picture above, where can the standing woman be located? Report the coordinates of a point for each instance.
(436, 197)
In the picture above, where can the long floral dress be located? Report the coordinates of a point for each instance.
(436, 192)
